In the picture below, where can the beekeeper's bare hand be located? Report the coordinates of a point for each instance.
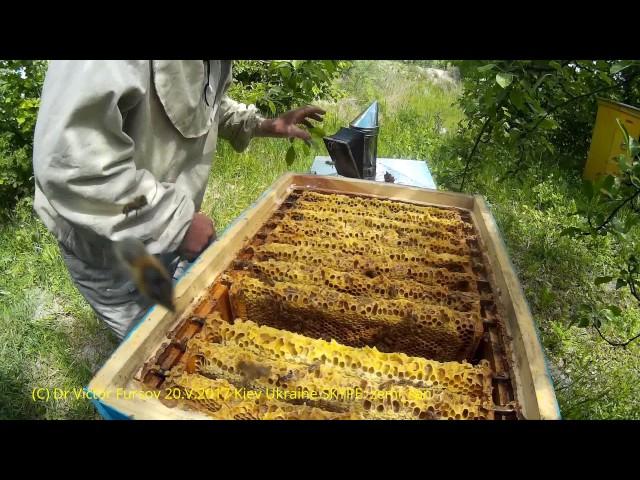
(287, 124)
(200, 233)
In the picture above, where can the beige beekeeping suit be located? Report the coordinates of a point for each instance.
(111, 131)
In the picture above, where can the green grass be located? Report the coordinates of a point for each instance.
(49, 337)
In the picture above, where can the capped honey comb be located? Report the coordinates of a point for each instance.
(291, 376)
(365, 272)
(360, 284)
(444, 270)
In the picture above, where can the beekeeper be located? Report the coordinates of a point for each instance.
(110, 132)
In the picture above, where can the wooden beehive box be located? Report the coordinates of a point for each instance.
(522, 387)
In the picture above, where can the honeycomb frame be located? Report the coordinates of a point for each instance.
(365, 383)
(428, 273)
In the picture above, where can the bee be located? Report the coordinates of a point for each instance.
(401, 382)
(135, 205)
(263, 277)
(241, 264)
(349, 281)
(284, 379)
(386, 384)
(432, 415)
(370, 272)
(315, 367)
(251, 370)
(148, 273)
(389, 178)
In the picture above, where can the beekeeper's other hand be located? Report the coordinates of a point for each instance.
(287, 124)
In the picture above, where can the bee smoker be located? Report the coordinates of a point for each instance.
(354, 149)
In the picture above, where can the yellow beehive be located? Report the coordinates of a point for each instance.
(607, 142)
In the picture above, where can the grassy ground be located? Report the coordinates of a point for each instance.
(50, 338)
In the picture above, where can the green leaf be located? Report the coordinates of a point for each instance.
(624, 131)
(617, 311)
(606, 314)
(548, 124)
(487, 67)
(608, 182)
(504, 79)
(606, 193)
(587, 188)
(620, 283)
(517, 99)
(317, 142)
(535, 107)
(286, 72)
(617, 225)
(618, 67)
(623, 163)
(585, 308)
(601, 280)
(291, 156)
(539, 82)
(317, 132)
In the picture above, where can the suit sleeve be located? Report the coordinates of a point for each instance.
(84, 161)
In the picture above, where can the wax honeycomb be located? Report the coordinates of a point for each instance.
(358, 283)
(416, 328)
(349, 383)
(365, 272)
(444, 270)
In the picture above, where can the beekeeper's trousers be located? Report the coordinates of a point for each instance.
(110, 290)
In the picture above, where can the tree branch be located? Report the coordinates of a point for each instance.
(583, 67)
(616, 344)
(576, 98)
(473, 151)
(617, 209)
(518, 166)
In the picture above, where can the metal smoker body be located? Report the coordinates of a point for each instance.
(354, 150)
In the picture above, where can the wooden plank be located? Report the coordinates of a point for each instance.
(205, 307)
(220, 296)
(387, 191)
(533, 385)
